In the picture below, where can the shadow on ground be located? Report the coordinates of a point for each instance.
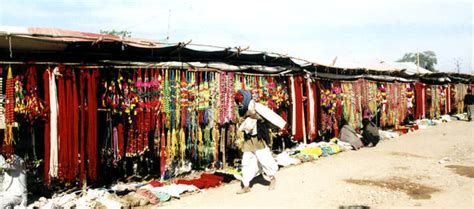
(467, 171)
(414, 190)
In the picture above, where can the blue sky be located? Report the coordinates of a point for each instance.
(355, 31)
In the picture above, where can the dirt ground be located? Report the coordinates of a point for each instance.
(431, 168)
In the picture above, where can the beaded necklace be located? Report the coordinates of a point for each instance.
(3, 97)
(9, 116)
(222, 97)
(230, 98)
(177, 101)
(189, 109)
(214, 86)
(166, 99)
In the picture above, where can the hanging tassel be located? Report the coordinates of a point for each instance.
(177, 101)
(174, 143)
(163, 154)
(182, 145)
(200, 142)
(47, 126)
(169, 147)
(207, 145)
(215, 143)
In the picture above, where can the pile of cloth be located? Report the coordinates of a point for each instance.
(313, 151)
(283, 159)
(425, 123)
(446, 118)
(127, 195)
(388, 134)
(92, 198)
(205, 181)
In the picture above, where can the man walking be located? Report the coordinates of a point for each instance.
(256, 154)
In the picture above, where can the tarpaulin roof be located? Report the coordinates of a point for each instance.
(59, 45)
(40, 44)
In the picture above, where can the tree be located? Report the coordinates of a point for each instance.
(122, 33)
(427, 59)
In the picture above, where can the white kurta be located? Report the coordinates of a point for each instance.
(253, 163)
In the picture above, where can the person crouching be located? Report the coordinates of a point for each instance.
(370, 133)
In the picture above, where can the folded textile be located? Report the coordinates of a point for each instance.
(162, 196)
(335, 148)
(312, 151)
(206, 181)
(149, 195)
(174, 189)
(344, 145)
(284, 159)
(123, 187)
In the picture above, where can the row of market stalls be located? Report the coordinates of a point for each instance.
(82, 107)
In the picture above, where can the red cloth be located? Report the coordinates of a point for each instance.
(156, 183)
(92, 122)
(121, 144)
(311, 110)
(69, 123)
(140, 121)
(70, 140)
(75, 130)
(62, 126)
(83, 123)
(206, 181)
(212, 176)
(419, 100)
(297, 107)
(47, 136)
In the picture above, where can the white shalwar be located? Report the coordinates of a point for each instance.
(253, 163)
(257, 157)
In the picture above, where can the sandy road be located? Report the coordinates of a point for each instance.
(399, 173)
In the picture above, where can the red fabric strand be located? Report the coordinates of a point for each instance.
(206, 181)
(92, 122)
(62, 125)
(311, 110)
(120, 140)
(70, 125)
(82, 120)
(75, 131)
(46, 127)
(297, 110)
(419, 90)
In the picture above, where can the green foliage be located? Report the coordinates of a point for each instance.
(427, 59)
(122, 33)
